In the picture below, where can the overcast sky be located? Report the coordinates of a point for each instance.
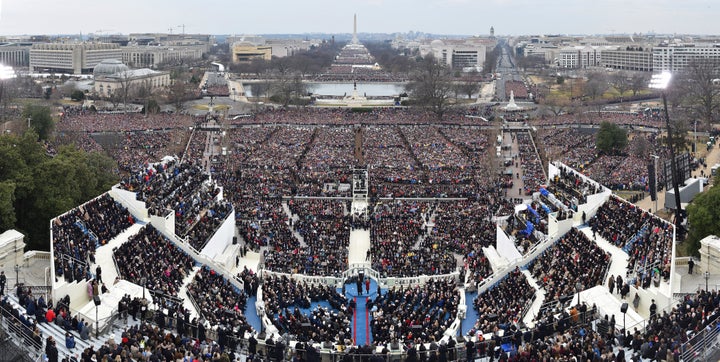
(471, 17)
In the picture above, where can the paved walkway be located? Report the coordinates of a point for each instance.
(516, 167)
(711, 158)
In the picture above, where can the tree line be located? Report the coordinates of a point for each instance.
(38, 183)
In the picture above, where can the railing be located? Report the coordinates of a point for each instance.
(117, 269)
(35, 254)
(23, 335)
(702, 344)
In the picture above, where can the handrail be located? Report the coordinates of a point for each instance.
(12, 324)
(705, 341)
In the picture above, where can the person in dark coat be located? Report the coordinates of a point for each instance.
(252, 344)
(51, 350)
(442, 352)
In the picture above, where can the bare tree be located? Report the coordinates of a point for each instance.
(555, 105)
(431, 86)
(595, 86)
(640, 146)
(178, 94)
(287, 86)
(115, 97)
(7, 94)
(125, 82)
(468, 86)
(621, 82)
(700, 90)
(637, 83)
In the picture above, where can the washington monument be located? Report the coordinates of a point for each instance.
(355, 38)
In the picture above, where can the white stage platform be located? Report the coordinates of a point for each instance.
(610, 304)
(109, 302)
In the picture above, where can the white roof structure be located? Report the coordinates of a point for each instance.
(10, 236)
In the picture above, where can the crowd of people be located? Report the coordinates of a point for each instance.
(207, 223)
(397, 234)
(646, 238)
(182, 187)
(90, 122)
(327, 162)
(79, 232)
(631, 119)
(407, 238)
(571, 189)
(324, 226)
(411, 313)
(464, 228)
(571, 260)
(571, 146)
(220, 304)
(503, 304)
(150, 256)
(284, 298)
(134, 149)
(518, 88)
(533, 173)
(20, 321)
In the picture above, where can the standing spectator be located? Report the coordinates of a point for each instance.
(3, 280)
(367, 285)
(98, 274)
(611, 284)
(691, 265)
(653, 309)
(252, 345)
(51, 350)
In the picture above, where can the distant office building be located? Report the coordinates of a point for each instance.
(288, 47)
(15, 55)
(628, 58)
(80, 58)
(581, 56)
(111, 75)
(547, 52)
(245, 52)
(457, 54)
(675, 57)
(247, 38)
(152, 56)
(248, 47)
(169, 39)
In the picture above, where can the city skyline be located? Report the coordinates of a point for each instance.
(456, 17)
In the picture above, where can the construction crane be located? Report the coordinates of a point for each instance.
(99, 33)
(183, 28)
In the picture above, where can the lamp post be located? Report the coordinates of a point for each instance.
(97, 321)
(707, 276)
(655, 160)
(143, 281)
(695, 134)
(661, 81)
(578, 288)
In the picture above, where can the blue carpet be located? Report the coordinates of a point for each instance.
(362, 322)
(251, 314)
(471, 315)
